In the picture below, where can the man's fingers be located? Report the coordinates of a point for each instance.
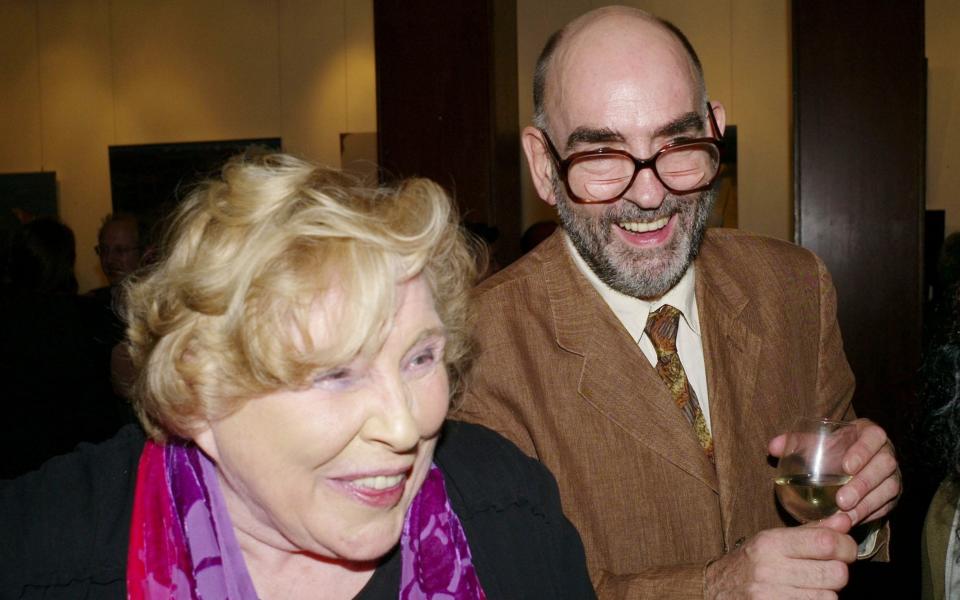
(795, 562)
(775, 447)
(812, 557)
(870, 440)
(877, 503)
(806, 575)
(880, 512)
(839, 522)
(808, 542)
(879, 475)
(780, 592)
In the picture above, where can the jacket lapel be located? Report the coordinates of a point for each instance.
(616, 378)
(732, 347)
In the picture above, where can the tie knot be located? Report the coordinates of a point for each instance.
(662, 328)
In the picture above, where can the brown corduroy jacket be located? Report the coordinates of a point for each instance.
(560, 376)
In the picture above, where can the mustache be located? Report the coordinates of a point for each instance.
(628, 211)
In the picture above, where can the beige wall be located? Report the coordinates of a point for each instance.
(744, 47)
(79, 75)
(943, 109)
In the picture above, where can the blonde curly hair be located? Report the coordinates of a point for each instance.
(224, 315)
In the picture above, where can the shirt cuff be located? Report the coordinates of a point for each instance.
(867, 535)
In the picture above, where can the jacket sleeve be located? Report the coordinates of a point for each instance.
(835, 386)
(835, 381)
(677, 582)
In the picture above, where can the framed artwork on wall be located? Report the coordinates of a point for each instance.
(147, 180)
(24, 196)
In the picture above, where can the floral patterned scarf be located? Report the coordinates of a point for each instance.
(182, 543)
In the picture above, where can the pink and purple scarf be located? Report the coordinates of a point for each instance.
(182, 543)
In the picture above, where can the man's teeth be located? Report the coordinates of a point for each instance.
(380, 482)
(637, 227)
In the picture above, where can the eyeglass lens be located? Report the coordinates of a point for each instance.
(602, 177)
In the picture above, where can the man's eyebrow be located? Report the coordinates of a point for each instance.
(589, 135)
(685, 123)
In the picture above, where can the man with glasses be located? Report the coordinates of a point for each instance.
(119, 246)
(651, 364)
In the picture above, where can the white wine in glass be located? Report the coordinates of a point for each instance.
(810, 470)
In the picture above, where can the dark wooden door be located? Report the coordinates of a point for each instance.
(859, 92)
(447, 104)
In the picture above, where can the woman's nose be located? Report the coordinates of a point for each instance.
(391, 420)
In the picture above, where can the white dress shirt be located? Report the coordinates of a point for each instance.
(633, 313)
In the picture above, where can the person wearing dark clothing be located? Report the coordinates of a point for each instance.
(53, 397)
(74, 545)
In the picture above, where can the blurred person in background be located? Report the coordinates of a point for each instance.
(120, 244)
(121, 248)
(52, 396)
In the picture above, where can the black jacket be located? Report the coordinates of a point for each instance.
(64, 528)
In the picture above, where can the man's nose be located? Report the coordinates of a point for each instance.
(646, 191)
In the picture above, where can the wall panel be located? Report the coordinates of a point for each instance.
(943, 109)
(77, 116)
(20, 148)
(193, 71)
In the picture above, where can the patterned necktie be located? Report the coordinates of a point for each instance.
(662, 328)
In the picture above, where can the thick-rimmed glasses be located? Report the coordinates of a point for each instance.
(605, 174)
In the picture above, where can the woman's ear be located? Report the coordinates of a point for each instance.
(203, 437)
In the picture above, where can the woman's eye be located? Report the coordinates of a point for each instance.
(425, 358)
(337, 379)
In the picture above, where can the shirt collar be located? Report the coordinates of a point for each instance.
(633, 312)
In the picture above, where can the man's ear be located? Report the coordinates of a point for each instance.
(720, 114)
(540, 163)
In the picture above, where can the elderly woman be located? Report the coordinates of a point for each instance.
(296, 346)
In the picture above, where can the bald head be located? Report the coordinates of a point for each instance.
(621, 82)
(599, 35)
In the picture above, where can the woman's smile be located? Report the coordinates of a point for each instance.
(376, 491)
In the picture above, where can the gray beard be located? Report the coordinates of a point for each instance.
(631, 271)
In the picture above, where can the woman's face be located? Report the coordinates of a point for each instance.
(331, 470)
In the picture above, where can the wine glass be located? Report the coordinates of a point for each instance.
(810, 470)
